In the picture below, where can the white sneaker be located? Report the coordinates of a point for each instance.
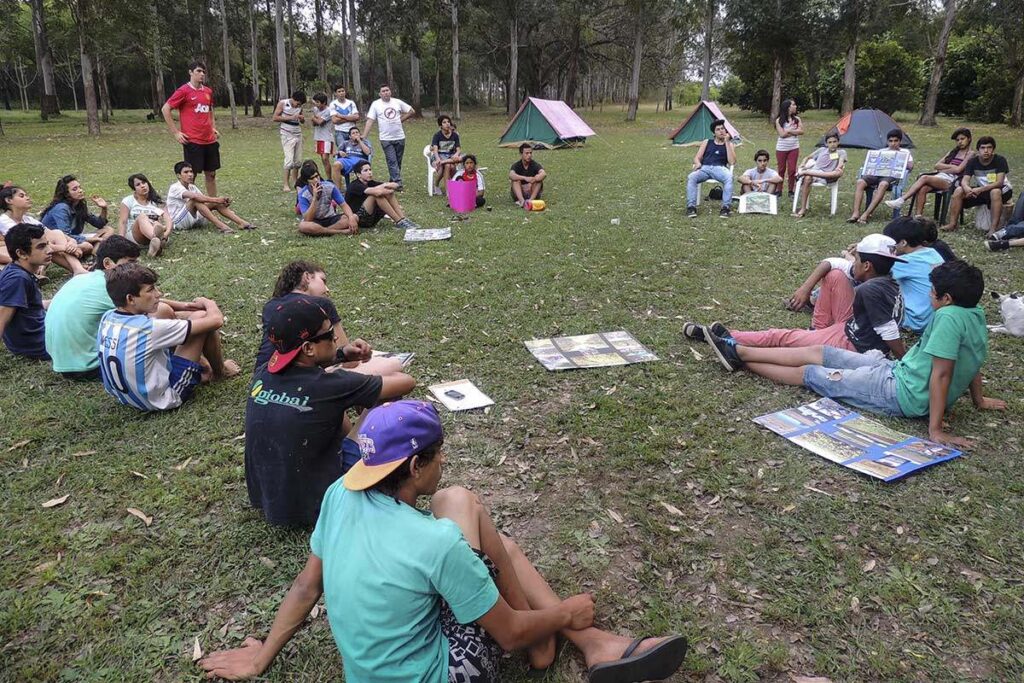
(894, 203)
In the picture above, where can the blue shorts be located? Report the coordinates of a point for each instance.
(185, 376)
(349, 162)
(862, 380)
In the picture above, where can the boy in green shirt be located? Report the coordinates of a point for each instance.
(418, 596)
(927, 381)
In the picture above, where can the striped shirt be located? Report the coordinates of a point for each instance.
(791, 142)
(135, 358)
(289, 110)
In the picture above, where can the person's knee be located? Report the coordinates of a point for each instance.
(457, 497)
(164, 311)
(511, 547)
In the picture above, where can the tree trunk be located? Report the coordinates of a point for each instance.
(456, 105)
(414, 75)
(1018, 100)
(357, 87)
(292, 67)
(709, 27)
(512, 105)
(321, 58)
(158, 62)
(44, 61)
(938, 65)
(282, 69)
(634, 80)
(226, 46)
(776, 86)
(437, 77)
(850, 75)
(92, 116)
(389, 72)
(101, 73)
(203, 55)
(254, 62)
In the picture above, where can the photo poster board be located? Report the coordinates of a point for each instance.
(759, 202)
(838, 434)
(604, 349)
(404, 358)
(886, 163)
(460, 395)
(427, 234)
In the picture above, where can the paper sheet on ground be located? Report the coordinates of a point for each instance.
(428, 234)
(405, 358)
(600, 350)
(472, 397)
(759, 202)
(859, 443)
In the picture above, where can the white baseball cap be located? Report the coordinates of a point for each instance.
(879, 245)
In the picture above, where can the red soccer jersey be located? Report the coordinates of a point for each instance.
(195, 109)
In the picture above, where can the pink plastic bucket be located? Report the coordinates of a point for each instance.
(461, 196)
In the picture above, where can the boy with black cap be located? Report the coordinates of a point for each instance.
(430, 596)
(295, 422)
(927, 381)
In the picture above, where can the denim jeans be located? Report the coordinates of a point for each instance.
(393, 152)
(340, 138)
(719, 173)
(862, 380)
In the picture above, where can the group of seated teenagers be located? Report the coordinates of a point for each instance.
(854, 351)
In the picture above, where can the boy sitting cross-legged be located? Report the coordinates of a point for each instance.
(190, 208)
(153, 363)
(927, 381)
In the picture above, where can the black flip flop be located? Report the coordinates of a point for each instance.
(853, 220)
(655, 664)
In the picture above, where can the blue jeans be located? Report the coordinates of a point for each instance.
(862, 380)
(340, 138)
(1010, 232)
(719, 173)
(393, 152)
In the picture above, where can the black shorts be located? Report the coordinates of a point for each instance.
(202, 157)
(526, 191)
(473, 654)
(83, 375)
(985, 199)
(367, 219)
(873, 180)
(329, 221)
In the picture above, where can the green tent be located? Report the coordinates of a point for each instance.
(697, 126)
(545, 123)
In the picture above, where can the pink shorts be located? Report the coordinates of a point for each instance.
(324, 147)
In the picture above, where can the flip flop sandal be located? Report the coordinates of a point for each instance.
(852, 220)
(248, 226)
(655, 664)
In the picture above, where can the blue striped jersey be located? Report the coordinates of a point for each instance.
(135, 358)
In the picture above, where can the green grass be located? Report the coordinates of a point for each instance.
(760, 572)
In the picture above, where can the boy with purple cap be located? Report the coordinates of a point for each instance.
(295, 423)
(855, 318)
(927, 381)
(431, 596)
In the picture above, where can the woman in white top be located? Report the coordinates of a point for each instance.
(143, 218)
(787, 147)
(14, 207)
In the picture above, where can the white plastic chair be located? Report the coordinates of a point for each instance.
(833, 186)
(712, 180)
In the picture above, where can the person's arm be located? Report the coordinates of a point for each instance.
(371, 118)
(539, 178)
(513, 176)
(1000, 179)
(938, 391)
(396, 385)
(377, 190)
(182, 306)
(730, 152)
(355, 350)
(201, 198)
(255, 657)
(896, 347)
(799, 130)
(802, 296)
(783, 133)
(165, 218)
(699, 155)
(122, 219)
(279, 116)
(6, 313)
(517, 629)
(169, 120)
(213, 320)
(102, 204)
(314, 190)
(409, 113)
(365, 147)
(213, 124)
(317, 119)
(981, 402)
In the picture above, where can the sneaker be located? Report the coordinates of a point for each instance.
(691, 212)
(694, 331)
(895, 203)
(412, 224)
(725, 212)
(719, 330)
(404, 224)
(725, 350)
(997, 245)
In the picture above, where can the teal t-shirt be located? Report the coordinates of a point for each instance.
(72, 321)
(916, 286)
(955, 333)
(386, 568)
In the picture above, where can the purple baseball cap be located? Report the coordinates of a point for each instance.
(389, 435)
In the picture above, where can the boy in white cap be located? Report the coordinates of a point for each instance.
(431, 597)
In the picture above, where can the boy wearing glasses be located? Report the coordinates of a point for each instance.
(295, 423)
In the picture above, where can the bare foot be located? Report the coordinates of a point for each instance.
(948, 228)
(231, 369)
(613, 646)
(226, 230)
(155, 245)
(542, 655)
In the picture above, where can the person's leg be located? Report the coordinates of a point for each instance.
(388, 204)
(230, 214)
(876, 199)
(995, 199)
(399, 155)
(834, 335)
(517, 192)
(207, 347)
(210, 181)
(805, 194)
(315, 229)
(928, 183)
(1018, 211)
(143, 230)
(209, 215)
(391, 158)
(956, 205)
(835, 300)
(781, 159)
(693, 181)
(723, 176)
(858, 197)
(287, 172)
(535, 190)
(792, 159)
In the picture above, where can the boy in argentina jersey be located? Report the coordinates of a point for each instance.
(152, 363)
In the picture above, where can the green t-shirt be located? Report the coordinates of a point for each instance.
(386, 568)
(72, 321)
(955, 333)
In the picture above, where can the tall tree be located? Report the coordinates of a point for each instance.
(282, 69)
(709, 30)
(44, 61)
(456, 105)
(321, 56)
(254, 61)
(938, 64)
(512, 100)
(638, 55)
(82, 11)
(226, 46)
(158, 62)
(357, 93)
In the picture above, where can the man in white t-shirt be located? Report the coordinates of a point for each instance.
(388, 113)
(190, 208)
(344, 115)
(760, 178)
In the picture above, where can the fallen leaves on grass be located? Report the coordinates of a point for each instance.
(809, 679)
(364, 245)
(54, 502)
(615, 515)
(695, 354)
(19, 445)
(868, 566)
(140, 475)
(82, 454)
(267, 562)
(315, 612)
(811, 488)
(671, 508)
(183, 465)
(146, 519)
(197, 650)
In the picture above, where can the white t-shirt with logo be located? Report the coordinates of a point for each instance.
(388, 116)
(343, 108)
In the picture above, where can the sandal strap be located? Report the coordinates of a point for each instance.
(632, 647)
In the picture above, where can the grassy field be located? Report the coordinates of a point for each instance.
(779, 562)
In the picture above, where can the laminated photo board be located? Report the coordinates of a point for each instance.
(427, 234)
(600, 350)
(759, 202)
(460, 395)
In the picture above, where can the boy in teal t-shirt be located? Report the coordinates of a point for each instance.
(428, 597)
(928, 380)
(912, 235)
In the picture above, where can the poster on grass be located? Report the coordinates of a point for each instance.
(427, 234)
(604, 349)
(838, 434)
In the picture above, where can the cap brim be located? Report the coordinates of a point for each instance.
(361, 477)
(279, 361)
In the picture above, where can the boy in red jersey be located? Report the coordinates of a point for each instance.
(198, 134)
